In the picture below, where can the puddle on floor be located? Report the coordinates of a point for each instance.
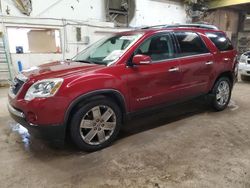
(19, 136)
(23, 132)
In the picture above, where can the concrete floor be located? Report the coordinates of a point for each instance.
(187, 145)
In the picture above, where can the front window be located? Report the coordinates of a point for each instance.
(158, 48)
(107, 50)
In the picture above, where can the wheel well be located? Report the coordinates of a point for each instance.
(114, 96)
(227, 74)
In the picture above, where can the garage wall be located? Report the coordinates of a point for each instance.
(225, 19)
(148, 12)
(156, 12)
(70, 46)
(73, 9)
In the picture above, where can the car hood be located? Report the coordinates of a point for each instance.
(60, 69)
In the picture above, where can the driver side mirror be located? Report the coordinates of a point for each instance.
(140, 59)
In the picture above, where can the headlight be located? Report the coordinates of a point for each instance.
(243, 59)
(43, 88)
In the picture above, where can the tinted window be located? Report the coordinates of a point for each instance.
(190, 44)
(157, 47)
(220, 41)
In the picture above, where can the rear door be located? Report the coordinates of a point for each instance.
(196, 63)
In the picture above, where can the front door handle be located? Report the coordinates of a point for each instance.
(209, 63)
(174, 69)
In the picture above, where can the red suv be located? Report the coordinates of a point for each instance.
(91, 95)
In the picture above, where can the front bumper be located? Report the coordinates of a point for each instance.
(52, 133)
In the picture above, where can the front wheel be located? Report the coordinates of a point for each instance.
(96, 124)
(221, 94)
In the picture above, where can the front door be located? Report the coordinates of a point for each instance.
(158, 82)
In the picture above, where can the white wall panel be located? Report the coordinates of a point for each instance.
(156, 12)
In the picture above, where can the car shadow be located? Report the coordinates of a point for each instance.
(163, 117)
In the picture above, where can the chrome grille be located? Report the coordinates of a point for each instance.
(17, 84)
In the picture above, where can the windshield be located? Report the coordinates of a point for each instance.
(107, 50)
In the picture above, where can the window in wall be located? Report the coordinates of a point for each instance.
(158, 48)
(220, 41)
(190, 44)
(34, 40)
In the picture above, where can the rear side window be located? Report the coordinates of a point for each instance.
(220, 41)
(190, 44)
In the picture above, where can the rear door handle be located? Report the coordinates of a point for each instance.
(209, 63)
(174, 69)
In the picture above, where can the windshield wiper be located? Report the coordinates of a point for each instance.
(84, 61)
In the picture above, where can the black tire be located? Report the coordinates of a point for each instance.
(244, 78)
(82, 112)
(214, 102)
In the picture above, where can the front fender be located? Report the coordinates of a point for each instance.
(87, 86)
(118, 96)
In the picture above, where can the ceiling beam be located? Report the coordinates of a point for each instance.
(225, 3)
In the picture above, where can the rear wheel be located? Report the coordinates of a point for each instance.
(221, 94)
(96, 124)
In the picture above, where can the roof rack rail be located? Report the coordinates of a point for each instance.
(202, 26)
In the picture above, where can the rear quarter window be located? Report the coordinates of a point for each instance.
(220, 41)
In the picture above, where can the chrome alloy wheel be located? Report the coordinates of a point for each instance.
(97, 125)
(223, 93)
